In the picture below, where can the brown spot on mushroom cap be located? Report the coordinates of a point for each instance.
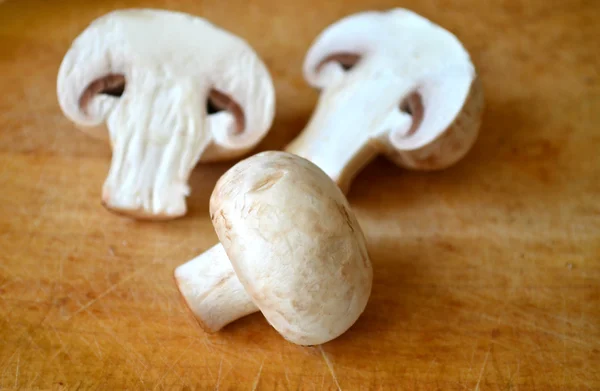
(365, 257)
(226, 222)
(345, 215)
(267, 182)
(298, 305)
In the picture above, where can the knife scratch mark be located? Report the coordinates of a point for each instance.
(538, 328)
(107, 291)
(285, 372)
(483, 368)
(120, 343)
(32, 342)
(32, 381)
(88, 344)
(63, 348)
(17, 372)
(330, 366)
(431, 364)
(255, 385)
(219, 375)
(573, 374)
(511, 380)
(98, 346)
(173, 365)
(471, 363)
(287, 379)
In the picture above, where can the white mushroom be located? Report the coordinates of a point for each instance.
(172, 89)
(290, 247)
(393, 83)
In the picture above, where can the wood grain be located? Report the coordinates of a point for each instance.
(487, 275)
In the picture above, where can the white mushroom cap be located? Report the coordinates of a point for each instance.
(394, 83)
(148, 75)
(289, 237)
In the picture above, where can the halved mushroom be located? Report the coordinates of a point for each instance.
(393, 83)
(290, 247)
(172, 89)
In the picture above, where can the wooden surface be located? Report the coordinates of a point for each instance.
(487, 275)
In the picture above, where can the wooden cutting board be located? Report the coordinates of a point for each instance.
(487, 275)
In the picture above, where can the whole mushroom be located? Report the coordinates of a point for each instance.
(391, 83)
(290, 247)
(172, 89)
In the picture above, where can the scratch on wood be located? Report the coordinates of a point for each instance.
(32, 381)
(98, 346)
(219, 374)
(17, 372)
(90, 345)
(62, 343)
(161, 345)
(538, 328)
(431, 364)
(162, 378)
(255, 385)
(285, 373)
(573, 374)
(330, 366)
(95, 299)
(471, 363)
(120, 343)
(107, 291)
(6, 362)
(32, 342)
(483, 368)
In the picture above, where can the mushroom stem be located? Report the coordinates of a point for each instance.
(212, 291)
(349, 127)
(341, 161)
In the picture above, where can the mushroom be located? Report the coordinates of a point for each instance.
(290, 247)
(392, 83)
(172, 89)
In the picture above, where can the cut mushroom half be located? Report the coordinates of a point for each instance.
(168, 90)
(391, 83)
(290, 248)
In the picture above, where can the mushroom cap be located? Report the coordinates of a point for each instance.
(294, 244)
(126, 49)
(435, 81)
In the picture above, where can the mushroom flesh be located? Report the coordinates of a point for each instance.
(391, 83)
(167, 89)
(290, 248)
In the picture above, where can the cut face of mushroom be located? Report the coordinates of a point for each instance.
(290, 248)
(393, 83)
(172, 89)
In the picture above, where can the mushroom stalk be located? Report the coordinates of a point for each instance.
(349, 127)
(212, 291)
(154, 154)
